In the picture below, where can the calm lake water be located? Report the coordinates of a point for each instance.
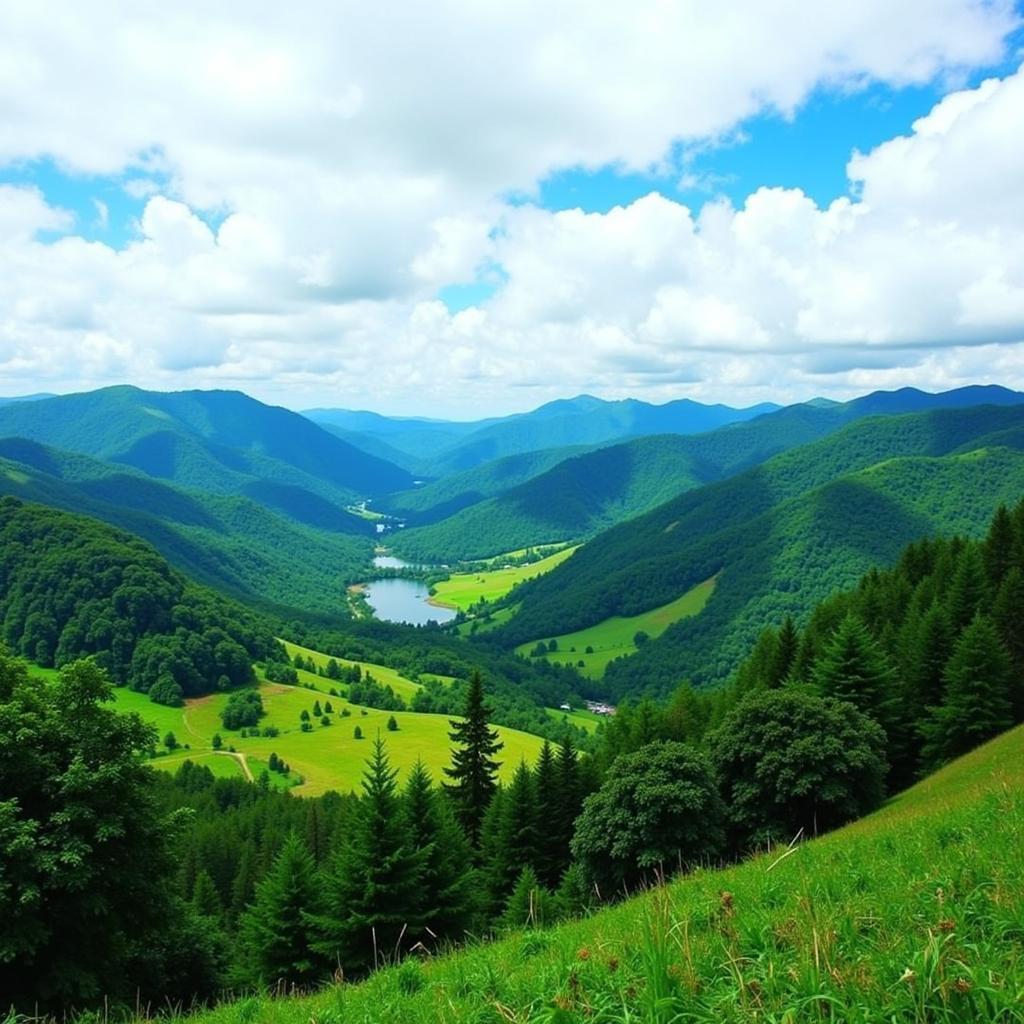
(404, 601)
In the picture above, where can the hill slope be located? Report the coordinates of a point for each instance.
(581, 496)
(910, 914)
(235, 544)
(221, 442)
(780, 537)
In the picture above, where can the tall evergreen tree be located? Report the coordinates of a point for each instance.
(998, 546)
(928, 643)
(786, 651)
(969, 592)
(445, 900)
(276, 930)
(474, 770)
(372, 884)
(976, 704)
(1008, 616)
(853, 668)
(552, 860)
(517, 839)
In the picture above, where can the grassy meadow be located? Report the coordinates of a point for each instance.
(464, 589)
(613, 638)
(327, 758)
(913, 914)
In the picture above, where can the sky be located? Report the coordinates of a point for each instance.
(468, 209)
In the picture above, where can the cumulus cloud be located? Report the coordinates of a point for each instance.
(312, 176)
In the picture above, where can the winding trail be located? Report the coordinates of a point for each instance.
(241, 759)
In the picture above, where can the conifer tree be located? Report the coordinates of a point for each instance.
(517, 839)
(244, 885)
(976, 705)
(276, 930)
(927, 647)
(529, 904)
(786, 651)
(998, 546)
(853, 668)
(474, 770)
(446, 894)
(205, 898)
(552, 859)
(970, 590)
(372, 884)
(1008, 616)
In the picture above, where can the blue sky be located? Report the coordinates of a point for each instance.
(360, 168)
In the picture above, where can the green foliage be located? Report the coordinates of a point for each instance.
(658, 810)
(791, 762)
(277, 932)
(976, 703)
(371, 885)
(75, 587)
(474, 769)
(84, 867)
(781, 537)
(244, 708)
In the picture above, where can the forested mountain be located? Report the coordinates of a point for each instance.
(72, 587)
(780, 537)
(221, 442)
(581, 496)
(442, 448)
(299, 557)
(435, 501)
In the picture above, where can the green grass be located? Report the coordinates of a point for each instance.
(405, 688)
(327, 758)
(613, 638)
(465, 589)
(578, 716)
(914, 914)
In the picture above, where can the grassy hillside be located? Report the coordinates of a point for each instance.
(439, 499)
(222, 442)
(327, 758)
(463, 590)
(591, 650)
(912, 914)
(236, 544)
(586, 494)
(781, 537)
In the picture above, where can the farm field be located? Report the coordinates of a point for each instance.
(465, 589)
(911, 914)
(327, 758)
(613, 638)
(578, 716)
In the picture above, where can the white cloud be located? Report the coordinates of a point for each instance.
(355, 160)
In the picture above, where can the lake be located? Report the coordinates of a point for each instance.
(389, 562)
(404, 601)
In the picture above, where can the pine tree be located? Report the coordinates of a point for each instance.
(446, 895)
(552, 859)
(205, 898)
(927, 648)
(853, 668)
(786, 651)
(372, 885)
(529, 904)
(970, 590)
(276, 930)
(244, 885)
(998, 547)
(1008, 616)
(517, 837)
(976, 704)
(474, 771)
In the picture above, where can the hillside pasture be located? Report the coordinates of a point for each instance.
(614, 638)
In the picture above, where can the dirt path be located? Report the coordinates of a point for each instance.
(241, 759)
(189, 705)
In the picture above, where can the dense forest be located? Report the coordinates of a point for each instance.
(911, 667)
(780, 538)
(72, 587)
